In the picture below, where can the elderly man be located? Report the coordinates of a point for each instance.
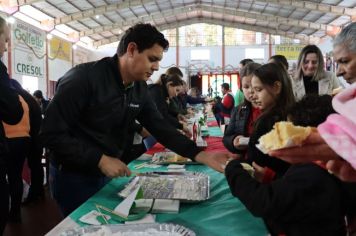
(315, 147)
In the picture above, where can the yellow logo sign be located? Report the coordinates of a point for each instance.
(291, 52)
(60, 49)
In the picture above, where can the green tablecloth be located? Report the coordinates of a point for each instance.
(215, 131)
(222, 214)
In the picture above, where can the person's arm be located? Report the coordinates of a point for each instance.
(342, 169)
(10, 106)
(263, 200)
(230, 133)
(164, 131)
(136, 127)
(281, 199)
(162, 106)
(255, 155)
(36, 147)
(167, 135)
(314, 148)
(195, 100)
(173, 107)
(34, 112)
(62, 116)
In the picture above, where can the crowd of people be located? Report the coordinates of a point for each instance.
(90, 126)
(306, 190)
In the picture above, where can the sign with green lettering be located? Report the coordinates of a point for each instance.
(28, 50)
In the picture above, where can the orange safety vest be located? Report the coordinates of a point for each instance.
(21, 129)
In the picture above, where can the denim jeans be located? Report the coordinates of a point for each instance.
(71, 189)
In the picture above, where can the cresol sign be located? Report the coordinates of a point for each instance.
(28, 52)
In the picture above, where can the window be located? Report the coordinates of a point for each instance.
(202, 54)
(255, 53)
(30, 83)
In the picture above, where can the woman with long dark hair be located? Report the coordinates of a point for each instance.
(167, 87)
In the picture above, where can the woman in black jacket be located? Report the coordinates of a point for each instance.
(161, 92)
(243, 116)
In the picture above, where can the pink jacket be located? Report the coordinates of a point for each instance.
(339, 130)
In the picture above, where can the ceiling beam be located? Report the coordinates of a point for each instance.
(313, 6)
(99, 10)
(195, 20)
(134, 20)
(209, 8)
(18, 3)
(269, 18)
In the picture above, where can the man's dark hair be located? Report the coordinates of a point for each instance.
(312, 110)
(225, 86)
(38, 94)
(144, 35)
(244, 62)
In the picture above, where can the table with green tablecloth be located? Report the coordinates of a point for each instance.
(221, 214)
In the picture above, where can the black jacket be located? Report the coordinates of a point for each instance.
(307, 200)
(159, 96)
(237, 126)
(10, 108)
(91, 113)
(263, 125)
(35, 119)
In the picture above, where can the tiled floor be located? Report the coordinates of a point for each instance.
(37, 219)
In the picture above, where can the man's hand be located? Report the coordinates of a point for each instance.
(181, 118)
(186, 130)
(207, 99)
(144, 133)
(215, 160)
(314, 148)
(113, 167)
(342, 169)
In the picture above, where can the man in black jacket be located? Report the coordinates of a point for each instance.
(11, 113)
(38, 95)
(86, 124)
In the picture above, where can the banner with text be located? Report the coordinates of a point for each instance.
(28, 50)
(291, 52)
